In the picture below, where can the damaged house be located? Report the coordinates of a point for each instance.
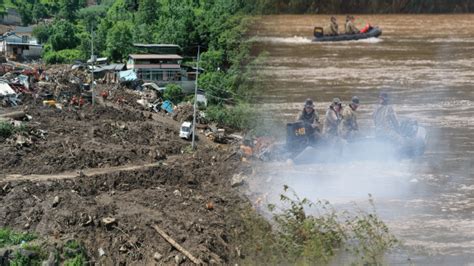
(162, 65)
(18, 47)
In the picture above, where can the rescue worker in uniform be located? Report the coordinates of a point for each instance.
(333, 28)
(310, 117)
(349, 126)
(386, 121)
(333, 119)
(350, 26)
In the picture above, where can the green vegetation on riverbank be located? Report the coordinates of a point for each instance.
(300, 238)
(364, 6)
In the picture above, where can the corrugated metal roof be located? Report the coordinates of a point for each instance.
(156, 45)
(127, 75)
(6, 90)
(155, 56)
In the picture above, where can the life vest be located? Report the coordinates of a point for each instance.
(366, 28)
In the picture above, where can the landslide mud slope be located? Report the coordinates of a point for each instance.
(129, 166)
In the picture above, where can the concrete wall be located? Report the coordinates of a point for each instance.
(11, 18)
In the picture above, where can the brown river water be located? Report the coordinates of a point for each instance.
(426, 62)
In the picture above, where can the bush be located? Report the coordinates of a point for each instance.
(307, 239)
(63, 35)
(241, 116)
(62, 57)
(20, 259)
(74, 254)
(6, 130)
(42, 32)
(173, 93)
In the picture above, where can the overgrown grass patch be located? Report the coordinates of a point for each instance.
(74, 253)
(29, 255)
(7, 129)
(11, 238)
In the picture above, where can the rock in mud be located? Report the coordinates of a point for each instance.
(177, 193)
(178, 259)
(210, 206)
(238, 180)
(157, 256)
(51, 261)
(101, 252)
(56, 201)
(108, 222)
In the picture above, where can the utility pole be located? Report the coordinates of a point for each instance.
(195, 98)
(93, 66)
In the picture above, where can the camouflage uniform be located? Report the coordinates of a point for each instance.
(331, 123)
(332, 29)
(351, 28)
(349, 126)
(386, 124)
(311, 118)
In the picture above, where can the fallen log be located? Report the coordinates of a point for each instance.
(177, 246)
(18, 115)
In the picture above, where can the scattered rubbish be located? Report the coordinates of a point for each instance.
(101, 252)
(210, 206)
(167, 106)
(177, 193)
(177, 246)
(109, 221)
(88, 220)
(50, 103)
(6, 90)
(238, 180)
(127, 75)
(178, 259)
(262, 148)
(157, 256)
(123, 248)
(22, 141)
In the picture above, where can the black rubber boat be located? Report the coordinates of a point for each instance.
(374, 32)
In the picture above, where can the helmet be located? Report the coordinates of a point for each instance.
(333, 18)
(308, 103)
(336, 101)
(383, 95)
(355, 100)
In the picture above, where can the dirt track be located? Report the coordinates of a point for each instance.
(121, 163)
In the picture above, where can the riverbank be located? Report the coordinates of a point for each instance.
(427, 203)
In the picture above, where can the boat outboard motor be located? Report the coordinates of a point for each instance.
(318, 32)
(408, 128)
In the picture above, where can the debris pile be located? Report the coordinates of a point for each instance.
(116, 176)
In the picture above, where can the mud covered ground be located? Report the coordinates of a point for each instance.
(188, 195)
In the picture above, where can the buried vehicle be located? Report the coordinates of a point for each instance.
(305, 150)
(186, 130)
(372, 32)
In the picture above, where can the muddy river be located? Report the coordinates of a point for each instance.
(426, 62)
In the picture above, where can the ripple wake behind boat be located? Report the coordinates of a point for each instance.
(289, 40)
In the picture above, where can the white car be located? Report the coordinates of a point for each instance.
(186, 130)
